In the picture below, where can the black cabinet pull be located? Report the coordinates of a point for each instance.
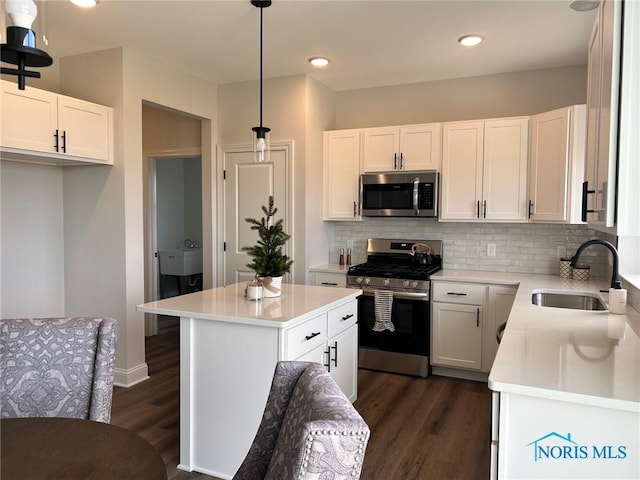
(327, 352)
(313, 334)
(395, 161)
(485, 209)
(347, 317)
(478, 209)
(457, 294)
(55, 145)
(401, 161)
(335, 354)
(478, 317)
(330, 283)
(355, 210)
(530, 207)
(585, 192)
(64, 141)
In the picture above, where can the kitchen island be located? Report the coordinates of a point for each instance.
(229, 347)
(566, 385)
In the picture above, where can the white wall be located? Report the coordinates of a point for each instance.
(32, 241)
(504, 95)
(106, 256)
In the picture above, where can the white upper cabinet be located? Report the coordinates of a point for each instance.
(602, 115)
(408, 147)
(44, 127)
(556, 166)
(341, 163)
(484, 170)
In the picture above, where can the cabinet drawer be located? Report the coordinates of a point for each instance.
(342, 317)
(330, 279)
(305, 337)
(454, 292)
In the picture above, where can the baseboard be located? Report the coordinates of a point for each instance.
(460, 373)
(128, 378)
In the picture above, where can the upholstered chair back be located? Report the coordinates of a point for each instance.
(309, 430)
(57, 367)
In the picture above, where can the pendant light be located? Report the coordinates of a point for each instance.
(261, 139)
(20, 48)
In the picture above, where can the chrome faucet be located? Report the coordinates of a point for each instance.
(615, 279)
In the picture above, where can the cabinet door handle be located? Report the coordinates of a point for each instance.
(64, 141)
(335, 353)
(585, 192)
(478, 209)
(457, 294)
(330, 283)
(355, 210)
(485, 209)
(347, 317)
(395, 161)
(530, 208)
(55, 145)
(327, 352)
(401, 161)
(313, 335)
(477, 317)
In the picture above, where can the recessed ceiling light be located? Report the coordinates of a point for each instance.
(84, 3)
(319, 61)
(470, 40)
(584, 5)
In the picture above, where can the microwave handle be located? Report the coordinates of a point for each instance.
(416, 184)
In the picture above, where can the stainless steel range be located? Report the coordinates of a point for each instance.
(394, 309)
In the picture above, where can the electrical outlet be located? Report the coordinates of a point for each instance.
(350, 244)
(491, 249)
(561, 252)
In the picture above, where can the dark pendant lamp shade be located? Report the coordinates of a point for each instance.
(20, 49)
(261, 137)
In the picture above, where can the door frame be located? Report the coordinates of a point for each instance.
(283, 146)
(151, 269)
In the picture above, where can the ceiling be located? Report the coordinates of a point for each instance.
(370, 43)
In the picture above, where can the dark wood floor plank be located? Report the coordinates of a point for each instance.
(422, 429)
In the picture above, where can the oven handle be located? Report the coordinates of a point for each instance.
(420, 296)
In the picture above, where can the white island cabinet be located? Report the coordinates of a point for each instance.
(229, 347)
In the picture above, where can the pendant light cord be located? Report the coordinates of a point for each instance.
(261, 11)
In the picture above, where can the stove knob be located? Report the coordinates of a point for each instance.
(406, 283)
(359, 279)
(386, 282)
(367, 281)
(414, 284)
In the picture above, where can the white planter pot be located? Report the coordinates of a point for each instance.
(271, 287)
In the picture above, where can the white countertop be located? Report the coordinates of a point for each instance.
(588, 357)
(296, 304)
(330, 268)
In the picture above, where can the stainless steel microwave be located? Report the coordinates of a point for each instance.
(399, 194)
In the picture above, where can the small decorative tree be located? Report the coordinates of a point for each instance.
(268, 259)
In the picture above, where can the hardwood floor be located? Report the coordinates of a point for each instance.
(436, 428)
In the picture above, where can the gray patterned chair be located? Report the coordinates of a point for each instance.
(309, 430)
(57, 367)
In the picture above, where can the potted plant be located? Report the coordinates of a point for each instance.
(269, 262)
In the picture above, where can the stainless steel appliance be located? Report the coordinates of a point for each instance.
(403, 267)
(399, 194)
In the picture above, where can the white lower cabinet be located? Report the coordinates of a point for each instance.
(330, 279)
(464, 319)
(331, 339)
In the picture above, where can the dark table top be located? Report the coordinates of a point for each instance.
(57, 448)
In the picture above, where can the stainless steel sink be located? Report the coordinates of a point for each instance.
(574, 300)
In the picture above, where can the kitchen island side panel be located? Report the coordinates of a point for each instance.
(547, 438)
(228, 375)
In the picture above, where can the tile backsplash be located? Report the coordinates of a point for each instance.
(522, 248)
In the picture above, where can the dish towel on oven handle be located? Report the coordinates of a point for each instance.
(383, 305)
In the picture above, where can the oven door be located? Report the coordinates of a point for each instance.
(406, 349)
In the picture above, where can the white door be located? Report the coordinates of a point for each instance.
(247, 186)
